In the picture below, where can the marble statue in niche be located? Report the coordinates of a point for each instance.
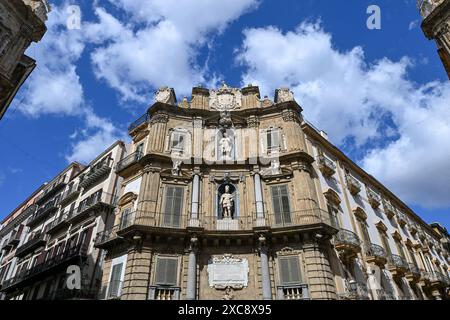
(227, 203)
(226, 146)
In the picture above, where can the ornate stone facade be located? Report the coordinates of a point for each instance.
(21, 23)
(260, 201)
(436, 26)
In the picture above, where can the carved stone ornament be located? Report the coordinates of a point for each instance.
(283, 95)
(164, 95)
(225, 98)
(228, 272)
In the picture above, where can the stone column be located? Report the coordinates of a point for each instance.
(265, 273)
(259, 200)
(191, 290)
(318, 271)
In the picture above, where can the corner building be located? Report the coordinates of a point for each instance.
(230, 196)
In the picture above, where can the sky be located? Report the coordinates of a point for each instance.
(381, 94)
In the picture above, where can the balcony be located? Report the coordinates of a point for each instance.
(128, 162)
(36, 241)
(98, 202)
(298, 292)
(389, 209)
(385, 295)
(376, 254)
(96, 173)
(304, 219)
(69, 195)
(412, 227)
(401, 218)
(373, 198)
(136, 124)
(49, 267)
(51, 191)
(67, 294)
(397, 265)
(112, 291)
(347, 243)
(58, 223)
(107, 238)
(14, 240)
(163, 293)
(353, 185)
(413, 273)
(42, 213)
(354, 291)
(326, 166)
(437, 279)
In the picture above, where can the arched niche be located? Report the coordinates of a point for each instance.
(235, 193)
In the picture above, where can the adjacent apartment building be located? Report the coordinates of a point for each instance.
(230, 196)
(21, 23)
(436, 26)
(59, 233)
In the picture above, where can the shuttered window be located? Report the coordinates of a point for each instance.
(173, 206)
(273, 139)
(166, 271)
(289, 270)
(281, 206)
(178, 139)
(115, 283)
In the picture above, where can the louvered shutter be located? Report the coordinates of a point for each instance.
(173, 206)
(166, 271)
(281, 206)
(289, 270)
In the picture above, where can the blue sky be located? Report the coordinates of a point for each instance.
(382, 95)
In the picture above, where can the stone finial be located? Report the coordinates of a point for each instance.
(283, 95)
(165, 95)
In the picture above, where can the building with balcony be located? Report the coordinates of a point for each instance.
(230, 196)
(436, 26)
(21, 23)
(81, 201)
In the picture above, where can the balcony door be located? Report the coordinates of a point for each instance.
(173, 207)
(281, 205)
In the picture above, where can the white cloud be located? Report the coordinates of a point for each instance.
(351, 99)
(413, 24)
(159, 44)
(99, 134)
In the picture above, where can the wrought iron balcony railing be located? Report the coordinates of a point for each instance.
(353, 185)
(354, 291)
(383, 294)
(106, 237)
(43, 212)
(128, 161)
(389, 209)
(439, 278)
(58, 223)
(69, 195)
(96, 172)
(35, 241)
(397, 265)
(51, 190)
(47, 266)
(143, 119)
(347, 239)
(401, 218)
(326, 166)
(96, 201)
(376, 254)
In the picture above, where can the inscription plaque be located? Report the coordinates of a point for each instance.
(227, 272)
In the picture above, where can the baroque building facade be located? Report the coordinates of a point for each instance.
(21, 23)
(436, 26)
(230, 196)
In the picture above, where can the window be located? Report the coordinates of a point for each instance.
(400, 250)
(177, 142)
(115, 284)
(125, 218)
(273, 136)
(281, 206)
(166, 271)
(385, 242)
(289, 268)
(363, 230)
(334, 215)
(140, 148)
(173, 206)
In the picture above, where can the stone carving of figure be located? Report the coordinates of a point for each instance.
(176, 168)
(226, 145)
(275, 167)
(227, 203)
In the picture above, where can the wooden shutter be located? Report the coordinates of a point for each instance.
(281, 205)
(166, 271)
(173, 206)
(289, 268)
